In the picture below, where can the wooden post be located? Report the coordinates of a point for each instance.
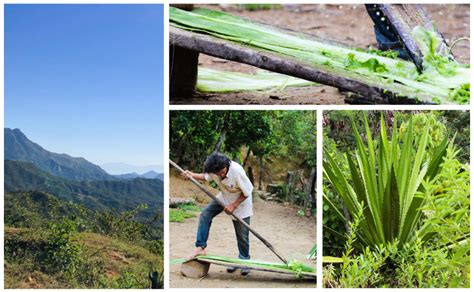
(183, 66)
(183, 71)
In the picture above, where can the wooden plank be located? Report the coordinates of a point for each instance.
(404, 18)
(221, 263)
(343, 79)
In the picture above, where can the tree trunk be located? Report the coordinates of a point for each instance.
(260, 175)
(180, 149)
(311, 191)
(223, 132)
(290, 180)
(246, 157)
(250, 173)
(221, 139)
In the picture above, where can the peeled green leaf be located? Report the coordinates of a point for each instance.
(211, 80)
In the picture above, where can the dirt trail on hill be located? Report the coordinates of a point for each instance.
(291, 235)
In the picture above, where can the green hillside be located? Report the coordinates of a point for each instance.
(96, 195)
(100, 262)
(51, 243)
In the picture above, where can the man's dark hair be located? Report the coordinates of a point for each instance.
(216, 162)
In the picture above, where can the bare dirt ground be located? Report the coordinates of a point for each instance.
(291, 235)
(346, 24)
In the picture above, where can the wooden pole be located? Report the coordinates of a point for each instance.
(267, 244)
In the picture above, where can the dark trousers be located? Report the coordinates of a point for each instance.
(205, 221)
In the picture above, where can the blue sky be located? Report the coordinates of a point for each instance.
(87, 80)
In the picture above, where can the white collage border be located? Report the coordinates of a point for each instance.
(168, 107)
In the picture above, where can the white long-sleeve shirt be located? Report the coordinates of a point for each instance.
(232, 186)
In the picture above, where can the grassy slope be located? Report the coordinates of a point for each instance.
(117, 259)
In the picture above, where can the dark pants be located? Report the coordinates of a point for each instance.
(205, 221)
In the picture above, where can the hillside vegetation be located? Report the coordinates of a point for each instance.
(97, 195)
(97, 262)
(50, 243)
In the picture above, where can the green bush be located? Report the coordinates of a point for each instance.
(63, 253)
(128, 280)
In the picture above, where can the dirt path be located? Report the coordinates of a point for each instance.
(291, 235)
(346, 24)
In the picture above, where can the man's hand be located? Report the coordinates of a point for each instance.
(187, 174)
(229, 209)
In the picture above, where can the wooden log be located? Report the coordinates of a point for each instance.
(354, 98)
(195, 269)
(188, 7)
(346, 80)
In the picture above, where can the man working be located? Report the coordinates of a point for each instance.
(235, 192)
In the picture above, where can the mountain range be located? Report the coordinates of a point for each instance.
(30, 167)
(150, 174)
(116, 168)
(19, 147)
(97, 195)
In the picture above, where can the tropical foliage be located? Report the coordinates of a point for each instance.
(400, 202)
(269, 144)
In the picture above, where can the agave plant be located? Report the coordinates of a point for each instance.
(386, 182)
